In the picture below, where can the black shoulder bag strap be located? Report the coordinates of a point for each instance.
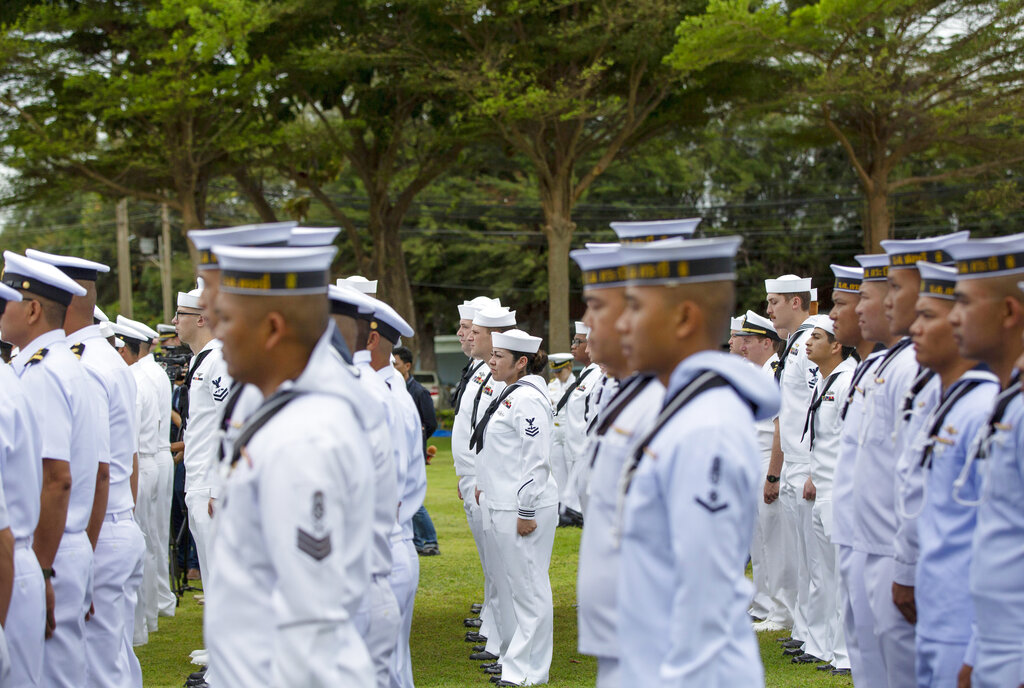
(476, 442)
(476, 402)
(229, 409)
(924, 376)
(616, 405)
(812, 410)
(570, 389)
(957, 392)
(1002, 403)
(270, 408)
(186, 389)
(858, 375)
(467, 374)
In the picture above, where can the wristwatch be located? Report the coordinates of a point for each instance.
(48, 573)
(772, 478)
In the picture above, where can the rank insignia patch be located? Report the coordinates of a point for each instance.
(317, 548)
(711, 503)
(531, 429)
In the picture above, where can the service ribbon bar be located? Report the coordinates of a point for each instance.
(681, 269)
(979, 266)
(273, 281)
(876, 274)
(846, 285)
(906, 260)
(939, 289)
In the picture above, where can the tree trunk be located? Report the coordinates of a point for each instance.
(253, 190)
(389, 259)
(426, 357)
(558, 229)
(879, 223)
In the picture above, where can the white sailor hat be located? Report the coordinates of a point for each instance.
(983, 258)
(557, 361)
(814, 294)
(348, 301)
(164, 329)
(389, 323)
(312, 236)
(74, 267)
(581, 328)
(39, 278)
(360, 283)
(516, 340)
(847, 279)
(681, 261)
(106, 329)
(736, 324)
(822, 322)
(8, 294)
(469, 309)
(495, 316)
(905, 253)
(99, 315)
(602, 246)
(281, 271)
(655, 230)
(190, 300)
(118, 343)
(263, 234)
(128, 332)
(139, 326)
(787, 284)
(602, 266)
(875, 265)
(757, 325)
(937, 281)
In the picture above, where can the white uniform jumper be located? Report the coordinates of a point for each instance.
(514, 470)
(796, 383)
(121, 546)
(293, 547)
(575, 415)
(21, 471)
(825, 637)
(66, 402)
(770, 562)
(997, 554)
(686, 529)
(559, 467)
(945, 529)
(874, 494)
(629, 415)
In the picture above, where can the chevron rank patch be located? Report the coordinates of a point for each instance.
(37, 357)
(713, 502)
(531, 429)
(219, 393)
(78, 349)
(317, 547)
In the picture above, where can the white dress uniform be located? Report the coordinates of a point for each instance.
(799, 376)
(5, 653)
(514, 472)
(875, 526)
(207, 394)
(686, 529)
(997, 554)
(21, 472)
(575, 417)
(825, 638)
(121, 546)
(945, 527)
(770, 562)
(559, 466)
(66, 403)
(628, 416)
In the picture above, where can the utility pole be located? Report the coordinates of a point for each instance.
(124, 268)
(165, 260)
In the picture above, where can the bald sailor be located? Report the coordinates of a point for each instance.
(21, 473)
(293, 541)
(63, 399)
(119, 547)
(690, 488)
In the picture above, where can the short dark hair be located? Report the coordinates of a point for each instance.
(535, 363)
(132, 345)
(403, 353)
(805, 299)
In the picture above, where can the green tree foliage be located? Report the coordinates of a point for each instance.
(893, 81)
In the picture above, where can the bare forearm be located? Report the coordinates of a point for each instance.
(99, 503)
(53, 515)
(135, 478)
(6, 572)
(775, 465)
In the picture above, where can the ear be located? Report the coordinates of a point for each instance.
(1013, 313)
(274, 327)
(837, 348)
(373, 340)
(35, 311)
(688, 319)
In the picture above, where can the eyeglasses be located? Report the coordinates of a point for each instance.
(178, 314)
(577, 342)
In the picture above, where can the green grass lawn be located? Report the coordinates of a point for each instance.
(448, 585)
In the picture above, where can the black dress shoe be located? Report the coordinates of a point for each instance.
(474, 637)
(489, 664)
(792, 652)
(792, 643)
(493, 669)
(484, 656)
(472, 622)
(476, 608)
(495, 679)
(824, 667)
(783, 640)
(503, 684)
(840, 672)
(479, 648)
(197, 674)
(806, 658)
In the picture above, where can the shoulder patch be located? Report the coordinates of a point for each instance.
(319, 548)
(711, 502)
(78, 349)
(531, 429)
(37, 357)
(775, 366)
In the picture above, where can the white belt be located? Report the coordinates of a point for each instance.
(114, 517)
(23, 542)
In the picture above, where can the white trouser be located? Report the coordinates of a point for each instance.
(581, 480)
(796, 515)
(167, 601)
(117, 579)
(559, 466)
(404, 579)
(524, 562)
(26, 617)
(894, 632)
(938, 663)
(859, 623)
(770, 563)
(467, 486)
(200, 523)
(825, 637)
(608, 675)
(568, 494)
(64, 653)
(145, 516)
(999, 663)
(503, 620)
(378, 621)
